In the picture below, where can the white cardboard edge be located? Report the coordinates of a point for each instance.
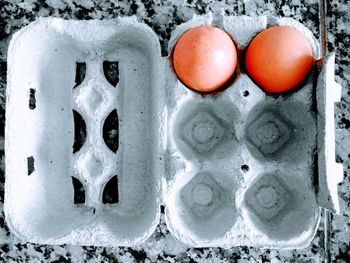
(330, 172)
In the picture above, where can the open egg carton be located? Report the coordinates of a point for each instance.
(239, 167)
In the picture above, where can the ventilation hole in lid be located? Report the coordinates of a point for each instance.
(32, 99)
(111, 131)
(246, 93)
(111, 71)
(110, 192)
(80, 72)
(79, 191)
(79, 131)
(30, 165)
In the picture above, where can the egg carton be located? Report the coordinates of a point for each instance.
(239, 167)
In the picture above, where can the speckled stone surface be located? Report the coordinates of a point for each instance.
(163, 16)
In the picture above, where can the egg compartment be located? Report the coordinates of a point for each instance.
(57, 67)
(243, 165)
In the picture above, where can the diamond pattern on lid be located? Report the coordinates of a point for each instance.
(91, 98)
(90, 165)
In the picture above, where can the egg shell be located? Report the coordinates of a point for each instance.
(205, 58)
(278, 59)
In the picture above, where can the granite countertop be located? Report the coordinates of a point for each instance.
(162, 17)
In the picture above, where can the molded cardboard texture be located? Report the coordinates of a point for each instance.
(259, 150)
(239, 167)
(43, 56)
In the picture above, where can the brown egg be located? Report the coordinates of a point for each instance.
(204, 58)
(278, 59)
